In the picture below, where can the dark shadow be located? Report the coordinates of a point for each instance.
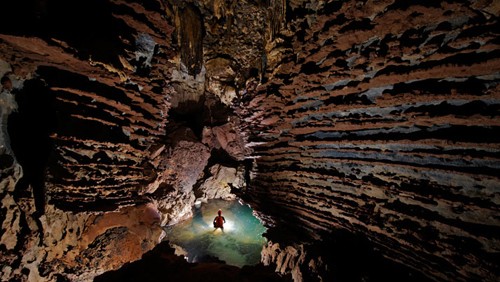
(86, 25)
(161, 264)
(29, 129)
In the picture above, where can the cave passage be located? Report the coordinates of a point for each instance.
(240, 244)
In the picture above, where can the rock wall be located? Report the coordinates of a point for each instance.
(381, 118)
(99, 146)
(374, 117)
(161, 263)
(99, 95)
(83, 115)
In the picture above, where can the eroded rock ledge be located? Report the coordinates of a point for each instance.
(381, 118)
(99, 147)
(161, 263)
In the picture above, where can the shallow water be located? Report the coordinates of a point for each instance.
(239, 244)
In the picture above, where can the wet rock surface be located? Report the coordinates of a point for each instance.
(162, 264)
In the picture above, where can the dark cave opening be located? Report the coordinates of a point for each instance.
(189, 114)
(29, 129)
(208, 111)
(91, 29)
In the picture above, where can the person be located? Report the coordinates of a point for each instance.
(219, 221)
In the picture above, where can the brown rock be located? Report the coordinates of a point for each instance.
(218, 186)
(226, 137)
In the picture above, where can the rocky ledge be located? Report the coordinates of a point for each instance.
(381, 118)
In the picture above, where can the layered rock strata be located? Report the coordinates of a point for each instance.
(381, 118)
(102, 116)
(378, 118)
(90, 107)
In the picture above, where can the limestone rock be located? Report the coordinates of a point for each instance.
(227, 137)
(221, 79)
(162, 262)
(218, 186)
(380, 118)
(288, 260)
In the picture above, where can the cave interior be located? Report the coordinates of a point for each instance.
(363, 135)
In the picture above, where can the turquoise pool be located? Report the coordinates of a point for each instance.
(240, 244)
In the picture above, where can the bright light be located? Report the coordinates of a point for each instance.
(229, 225)
(239, 244)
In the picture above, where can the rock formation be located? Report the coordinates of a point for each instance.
(161, 264)
(375, 119)
(381, 118)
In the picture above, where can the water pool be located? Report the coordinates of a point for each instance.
(239, 244)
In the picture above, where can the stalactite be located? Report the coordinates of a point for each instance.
(277, 15)
(190, 35)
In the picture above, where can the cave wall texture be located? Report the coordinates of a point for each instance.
(379, 118)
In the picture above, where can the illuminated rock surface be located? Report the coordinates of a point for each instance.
(162, 264)
(369, 127)
(239, 244)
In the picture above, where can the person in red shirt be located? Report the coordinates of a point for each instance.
(219, 221)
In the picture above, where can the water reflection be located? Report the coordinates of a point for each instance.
(239, 244)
